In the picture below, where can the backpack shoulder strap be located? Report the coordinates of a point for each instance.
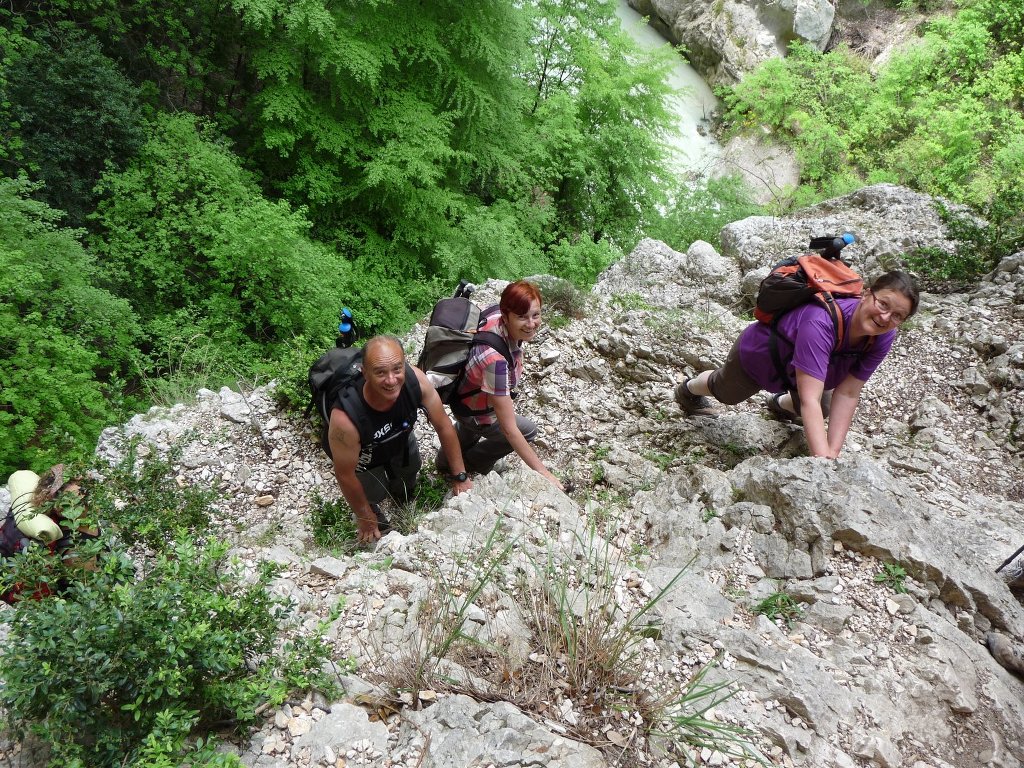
(838, 329)
(828, 301)
(411, 388)
(348, 400)
(495, 342)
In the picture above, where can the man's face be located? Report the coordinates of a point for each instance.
(384, 370)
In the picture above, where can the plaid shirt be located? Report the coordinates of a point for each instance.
(487, 370)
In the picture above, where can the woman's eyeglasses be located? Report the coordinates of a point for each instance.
(883, 306)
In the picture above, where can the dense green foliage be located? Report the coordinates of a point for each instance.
(63, 340)
(700, 209)
(85, 117)
(244, 168)
(943, 116)
(186, 236)
(129, 662)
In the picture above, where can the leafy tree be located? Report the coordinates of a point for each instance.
(183, 54)
(945, 116)
(84, 117)
(384, 125)
(186, 236)
(599, 108)
(14, 44)
(63, 340)
(700, 209)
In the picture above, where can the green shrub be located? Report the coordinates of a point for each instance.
(583, 261)
(186, 235)
(291, 372)
(561, 296)
(63, 340)
(700, 209)
(141, 501)
(941, 116)
(123, 666)
(894, 576)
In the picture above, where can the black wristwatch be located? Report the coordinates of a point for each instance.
(459, 478)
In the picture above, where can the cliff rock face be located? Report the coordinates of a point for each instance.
(726, 38)
(678, 534)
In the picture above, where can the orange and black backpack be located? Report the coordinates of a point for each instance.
(816, 276)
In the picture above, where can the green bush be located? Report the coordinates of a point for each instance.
(583, 261)
(942, 116)
(122, 666)
(561, 297)
(701, 208)
(332, 523)
(780, 607)
(187, 236)
(63, 340)
(141, 501)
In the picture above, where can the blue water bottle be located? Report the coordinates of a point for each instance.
(346, 328)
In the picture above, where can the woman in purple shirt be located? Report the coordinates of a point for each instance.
(827, 381)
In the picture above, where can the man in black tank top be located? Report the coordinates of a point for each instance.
(388, 462)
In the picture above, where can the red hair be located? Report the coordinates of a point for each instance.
(518, 296)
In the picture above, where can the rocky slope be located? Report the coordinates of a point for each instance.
(698, 520)
(725, 39)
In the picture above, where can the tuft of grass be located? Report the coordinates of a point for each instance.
(333, 525)
(629, 301)
(556, 321)
(894, 576)
(779, 607)
(188, 364)
(587, 648)
(690, 725)
(429, 495)
(562, 297)
(662, 460)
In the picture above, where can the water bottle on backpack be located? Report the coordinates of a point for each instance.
(346, 329)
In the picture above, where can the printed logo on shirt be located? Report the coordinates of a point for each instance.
(382, 431)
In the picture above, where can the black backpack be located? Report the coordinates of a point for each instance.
(334, 382)
(451, 336)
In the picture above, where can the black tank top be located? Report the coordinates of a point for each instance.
(388, 430)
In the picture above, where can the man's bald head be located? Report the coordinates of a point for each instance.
(384, 345)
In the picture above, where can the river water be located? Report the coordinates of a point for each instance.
(694, 102)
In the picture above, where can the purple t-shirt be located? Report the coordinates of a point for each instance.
(806, 339)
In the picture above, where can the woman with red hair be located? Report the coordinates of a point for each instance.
(486, 421)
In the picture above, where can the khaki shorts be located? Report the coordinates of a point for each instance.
(730, 384)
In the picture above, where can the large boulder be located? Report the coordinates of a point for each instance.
(888, 221)
(725, 38)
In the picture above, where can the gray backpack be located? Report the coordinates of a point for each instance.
(452, 334)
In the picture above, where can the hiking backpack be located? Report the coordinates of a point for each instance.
(334, 381)
(451, 335)
(798, 280)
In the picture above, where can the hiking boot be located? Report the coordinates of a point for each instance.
(1004, 651)
(693, 405)
(780, 413)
